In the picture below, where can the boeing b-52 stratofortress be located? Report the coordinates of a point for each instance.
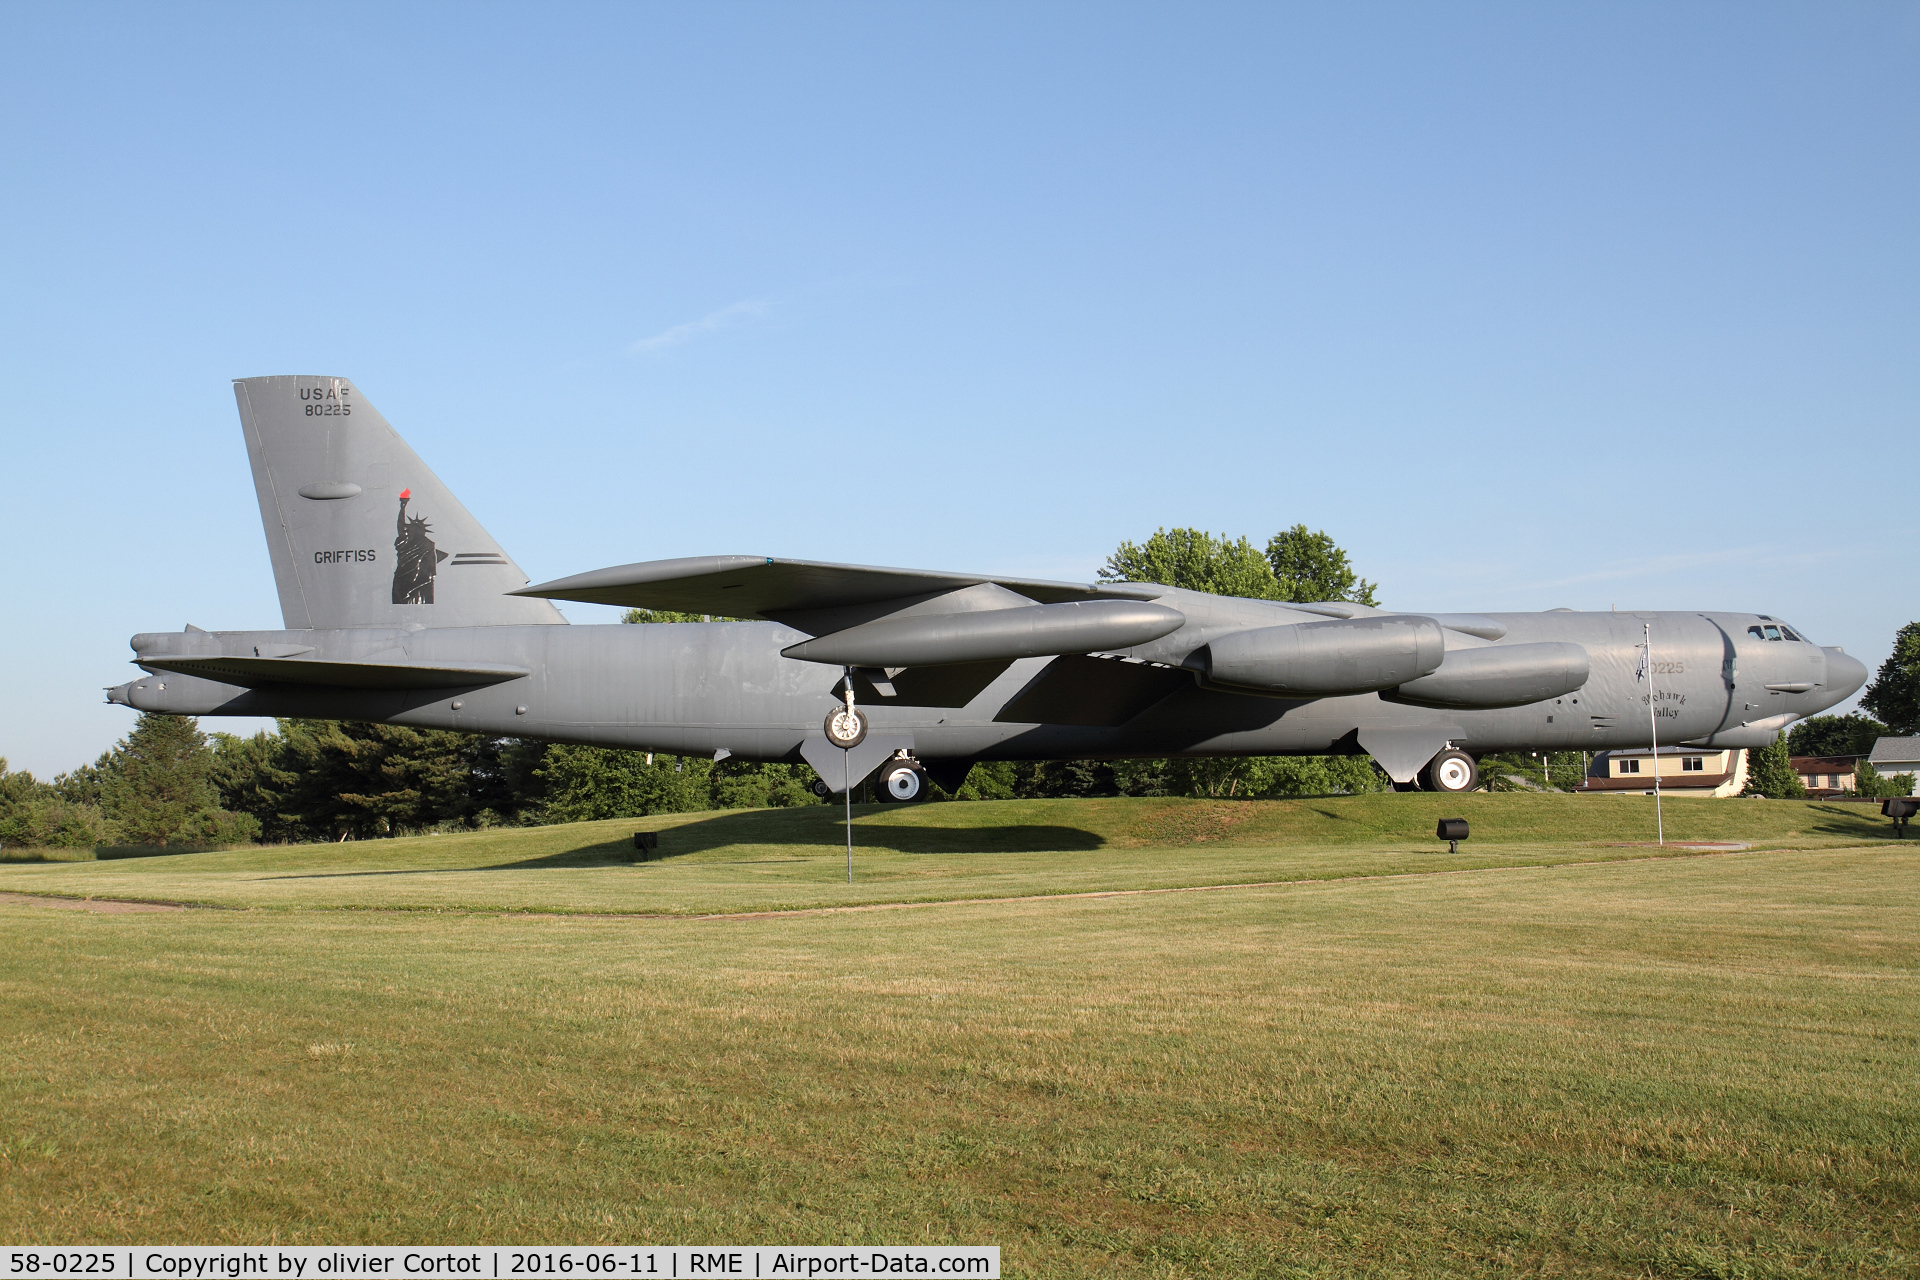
(399, 608)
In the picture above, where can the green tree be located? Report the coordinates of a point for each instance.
(34, 815)
(85, 784)
(1196, 560)
(1308, 567)
(987, 780)
(746, 784)
(18, 787)
(37, 815)
(1554, 771)
(327, 780)
(1848, 735)
(1770, 773)
(1079, 779)
(584, 784)
(1222, 777)
(662, 615)
(1870, 783)
(331, 780)
(158, 787)
(246, 775)
(1894, 694)
(1322, 776)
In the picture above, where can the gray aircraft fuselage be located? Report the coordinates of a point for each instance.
(706, 687)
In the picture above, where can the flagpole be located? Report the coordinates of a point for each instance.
(1653, 729)
(846, 789)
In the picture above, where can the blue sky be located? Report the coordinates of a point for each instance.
(1526, 305)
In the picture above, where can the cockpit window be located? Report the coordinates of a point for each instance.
(1772, 632)
(1788, 633)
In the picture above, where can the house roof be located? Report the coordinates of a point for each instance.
(1823, 764)
(1900, 749)
(1668, 783)
(1666, 753)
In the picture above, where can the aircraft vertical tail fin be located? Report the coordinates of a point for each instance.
(361, 533)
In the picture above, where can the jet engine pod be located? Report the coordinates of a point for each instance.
(1325, 659)
(1501, 675)
(1032, 631)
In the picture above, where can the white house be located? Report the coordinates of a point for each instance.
(1897, 755)
(1683, 772)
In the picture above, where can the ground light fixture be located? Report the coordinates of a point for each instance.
(1453, 831)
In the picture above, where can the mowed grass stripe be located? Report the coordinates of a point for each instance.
(1686, 1067)
(918, 904)
(769, 860)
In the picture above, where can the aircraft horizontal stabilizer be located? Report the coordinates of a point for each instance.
(254, 673)
(767, 588)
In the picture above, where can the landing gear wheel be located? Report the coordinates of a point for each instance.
(902, 781)
(820, 788)
(1452, 771)
(1407, 786)
(846, 727)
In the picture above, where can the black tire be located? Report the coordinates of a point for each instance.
(1450, 773)
(901, 782)
(846, 743)
(1407, 786)
(820, 788)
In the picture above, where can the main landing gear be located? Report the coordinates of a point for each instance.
(1450, 772)
(901, 780)
(1453, 770)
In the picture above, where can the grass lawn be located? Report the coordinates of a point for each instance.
(785, 858)
(1557, 1065)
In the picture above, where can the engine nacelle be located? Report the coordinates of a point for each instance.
(1326, 659)
(1500, 675)
(986, 635)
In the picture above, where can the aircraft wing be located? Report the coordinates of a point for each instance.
(766, 587)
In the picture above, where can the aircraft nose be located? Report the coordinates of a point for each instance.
(1845, 675)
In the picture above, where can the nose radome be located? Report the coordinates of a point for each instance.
(1845, 675)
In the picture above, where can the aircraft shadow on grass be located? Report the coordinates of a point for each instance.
(756, 831)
